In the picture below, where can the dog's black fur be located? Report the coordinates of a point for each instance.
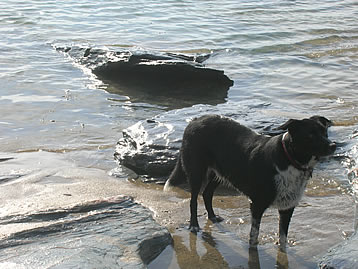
(271, 171)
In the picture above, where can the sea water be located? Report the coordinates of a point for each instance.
(298, 56)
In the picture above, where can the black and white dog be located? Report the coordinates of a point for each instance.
(271, 171)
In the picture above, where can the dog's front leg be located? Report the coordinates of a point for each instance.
(285, 218)
(256, 215)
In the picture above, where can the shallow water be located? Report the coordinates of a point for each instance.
(298, 56)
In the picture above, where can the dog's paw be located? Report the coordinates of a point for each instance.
(216, 219)
(194, 229)
(282, 243)
(282, 246)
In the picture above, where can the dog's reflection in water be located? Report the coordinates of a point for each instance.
(190, 257)
(213, 256)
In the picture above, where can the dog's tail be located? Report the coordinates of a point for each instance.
(177, 176)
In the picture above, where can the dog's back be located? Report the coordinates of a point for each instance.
(230, 150)
(202, 138)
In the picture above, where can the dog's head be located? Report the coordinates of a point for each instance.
(310, 135)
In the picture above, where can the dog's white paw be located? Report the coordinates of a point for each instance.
(194, 229)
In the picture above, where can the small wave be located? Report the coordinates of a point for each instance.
(8, 178)
(22, 98)
(5, 159)
(311, 46)
(351, 52)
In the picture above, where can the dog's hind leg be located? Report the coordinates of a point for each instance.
(194, 224)
(208, 198)
(257, 210)
(196, 177)
(285, 218)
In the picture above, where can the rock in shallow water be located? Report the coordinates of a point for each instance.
(157, 74)
(151, 147)
(117, 233)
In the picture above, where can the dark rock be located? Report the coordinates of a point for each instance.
(150, 248)
(164, 76)
(151, 147)
(344, 255)
(157, 74)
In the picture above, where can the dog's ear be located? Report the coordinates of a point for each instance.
(322, 120)
(293, 126)
(285, 125)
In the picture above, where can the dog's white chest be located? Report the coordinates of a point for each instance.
(290, 186)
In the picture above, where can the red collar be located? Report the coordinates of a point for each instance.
(295, 163)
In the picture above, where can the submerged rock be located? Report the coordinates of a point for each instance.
(151, 147)
(117, 233)
(157, 74)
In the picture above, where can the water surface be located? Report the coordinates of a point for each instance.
(299, 56)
